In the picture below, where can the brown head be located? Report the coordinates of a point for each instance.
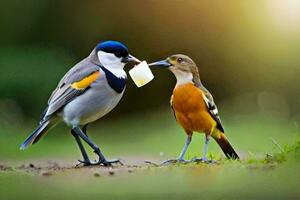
(182, 66)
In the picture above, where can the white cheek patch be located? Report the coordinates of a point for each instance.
(112, 63)
(108, 58)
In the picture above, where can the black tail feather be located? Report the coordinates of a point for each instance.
(36, 135)
(225, 146)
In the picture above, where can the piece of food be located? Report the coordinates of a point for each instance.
(141, 74)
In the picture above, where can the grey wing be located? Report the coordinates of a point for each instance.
(76, 73)
(213, 110)
(64, 92)
(63, 96)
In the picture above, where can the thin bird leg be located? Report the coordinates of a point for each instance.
(181, 157)
(207, 138)
(186, 145)
(84, 129)
(204, 159)
(86, 160)
(102, 159)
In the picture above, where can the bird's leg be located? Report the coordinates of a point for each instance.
(86, 160)
(181, 157)
(102, 159)
(84, 129)
(205, 148)
(203, 159)
(186, 145)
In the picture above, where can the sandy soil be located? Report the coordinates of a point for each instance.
(50, 167)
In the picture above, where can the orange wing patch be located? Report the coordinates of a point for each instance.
(87, 81)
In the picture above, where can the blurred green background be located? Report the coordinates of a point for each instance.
(247, 54)
(247, 51)
(248, 57)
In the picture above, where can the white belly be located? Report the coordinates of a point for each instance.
(92, 105)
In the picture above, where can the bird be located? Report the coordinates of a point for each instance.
(194, 107)
(87, 92)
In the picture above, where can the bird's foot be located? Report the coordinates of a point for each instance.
(174, 161)
(84, 163)
(109, 163)
(202, 160)
(106, 163)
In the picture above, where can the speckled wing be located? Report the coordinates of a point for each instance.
(76, 81)
(213, 110)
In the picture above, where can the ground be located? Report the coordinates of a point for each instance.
(269, 168)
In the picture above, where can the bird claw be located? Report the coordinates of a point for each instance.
(84, 163)
(106, 163)
(109, 163)
(174, 161)
(182, 161)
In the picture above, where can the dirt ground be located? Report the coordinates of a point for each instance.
(63, 179)
(53, 167)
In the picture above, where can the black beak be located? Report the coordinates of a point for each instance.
(130, 59)
(162, 63)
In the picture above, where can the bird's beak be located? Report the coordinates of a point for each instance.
(162, 63)
(130, 59)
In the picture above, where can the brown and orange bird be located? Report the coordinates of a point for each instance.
(194, 107)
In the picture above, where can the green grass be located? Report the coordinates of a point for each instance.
(269, 169)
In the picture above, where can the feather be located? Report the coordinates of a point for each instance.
(66, 91)
(212, 108)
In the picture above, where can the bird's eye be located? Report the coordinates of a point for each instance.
(118, 54)
(179, 60)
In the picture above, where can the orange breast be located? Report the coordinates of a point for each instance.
(191, 110)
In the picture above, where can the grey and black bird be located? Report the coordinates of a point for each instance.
(87, 92)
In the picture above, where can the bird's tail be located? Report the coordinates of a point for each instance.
(224, 144)
(37, 134)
